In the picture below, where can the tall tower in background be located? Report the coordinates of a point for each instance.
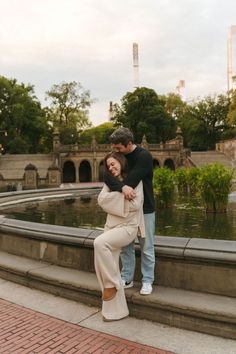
(110, 111)
(180, 89)
(135, 65)
(231, 71)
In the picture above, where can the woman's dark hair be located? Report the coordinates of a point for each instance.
(119, 157)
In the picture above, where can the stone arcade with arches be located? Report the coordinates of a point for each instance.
(78, 163)
(84, 163)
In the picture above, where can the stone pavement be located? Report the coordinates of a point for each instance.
(25, 331)
(33, 321)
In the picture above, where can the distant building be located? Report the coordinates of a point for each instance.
(78, 163)
(136, 65)
(231, 72)
(110, 111)
(180, 89)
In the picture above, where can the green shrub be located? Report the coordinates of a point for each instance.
(163, 185)
(215, 182)
(193, 174)
(181, 179)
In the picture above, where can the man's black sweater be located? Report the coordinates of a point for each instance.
(140, 168)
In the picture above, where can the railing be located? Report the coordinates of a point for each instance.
(84, 148)
(107, 147)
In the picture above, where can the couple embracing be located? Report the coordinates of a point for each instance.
(127, 198)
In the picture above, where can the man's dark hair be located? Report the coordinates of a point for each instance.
(122, 136)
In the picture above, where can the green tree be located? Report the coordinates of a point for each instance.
(68, 110)
(101, 133)
(143, 111)
(174, 105)
(22, 117)
(204, 121)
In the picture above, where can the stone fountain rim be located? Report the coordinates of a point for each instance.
(201, 250)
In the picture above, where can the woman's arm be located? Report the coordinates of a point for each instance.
(112, 202)
(116, 204)
(137, 202)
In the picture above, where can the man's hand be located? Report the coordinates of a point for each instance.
(129, 192)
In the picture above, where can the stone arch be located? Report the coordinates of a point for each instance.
(156, 163)
(30, 167)
(85, 171)
(170, 164)
(101, 171)
(68, 174)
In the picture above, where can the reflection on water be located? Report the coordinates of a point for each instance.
(187, 218)
(74, 212)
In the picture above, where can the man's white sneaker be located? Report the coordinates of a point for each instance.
(146, 289)
(127, 284)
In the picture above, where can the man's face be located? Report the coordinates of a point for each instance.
(122, 148)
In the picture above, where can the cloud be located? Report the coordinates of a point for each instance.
(47, 42)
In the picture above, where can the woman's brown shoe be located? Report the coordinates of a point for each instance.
(109, 294)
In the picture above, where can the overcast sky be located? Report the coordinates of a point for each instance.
(45, 42)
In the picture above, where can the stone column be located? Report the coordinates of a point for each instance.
(144, 142)
(94, 146)
(56, 148)
(2, 183)
(30, 177)
(54, 176)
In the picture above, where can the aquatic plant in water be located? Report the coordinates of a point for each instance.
(181, 179)
(215, 184)
(163, 185)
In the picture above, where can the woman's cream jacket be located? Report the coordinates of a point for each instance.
(122, 212)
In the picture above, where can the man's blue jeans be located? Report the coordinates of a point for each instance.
(147, 254)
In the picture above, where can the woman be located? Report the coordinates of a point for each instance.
(124, 221)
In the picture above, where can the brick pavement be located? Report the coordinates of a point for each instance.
(24, 331)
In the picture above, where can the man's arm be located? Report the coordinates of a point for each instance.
(113, 183)
(118, 186)
(143, 166)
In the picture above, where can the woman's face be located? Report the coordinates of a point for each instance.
(114, 166)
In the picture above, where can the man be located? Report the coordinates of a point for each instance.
(140, 168)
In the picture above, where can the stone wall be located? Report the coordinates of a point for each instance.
(228, 147)
(192, 264)
(181, 262)
(13, 167)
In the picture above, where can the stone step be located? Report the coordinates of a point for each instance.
(205, 157)
(202, 312)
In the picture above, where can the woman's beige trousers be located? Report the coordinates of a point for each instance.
(107, 248)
